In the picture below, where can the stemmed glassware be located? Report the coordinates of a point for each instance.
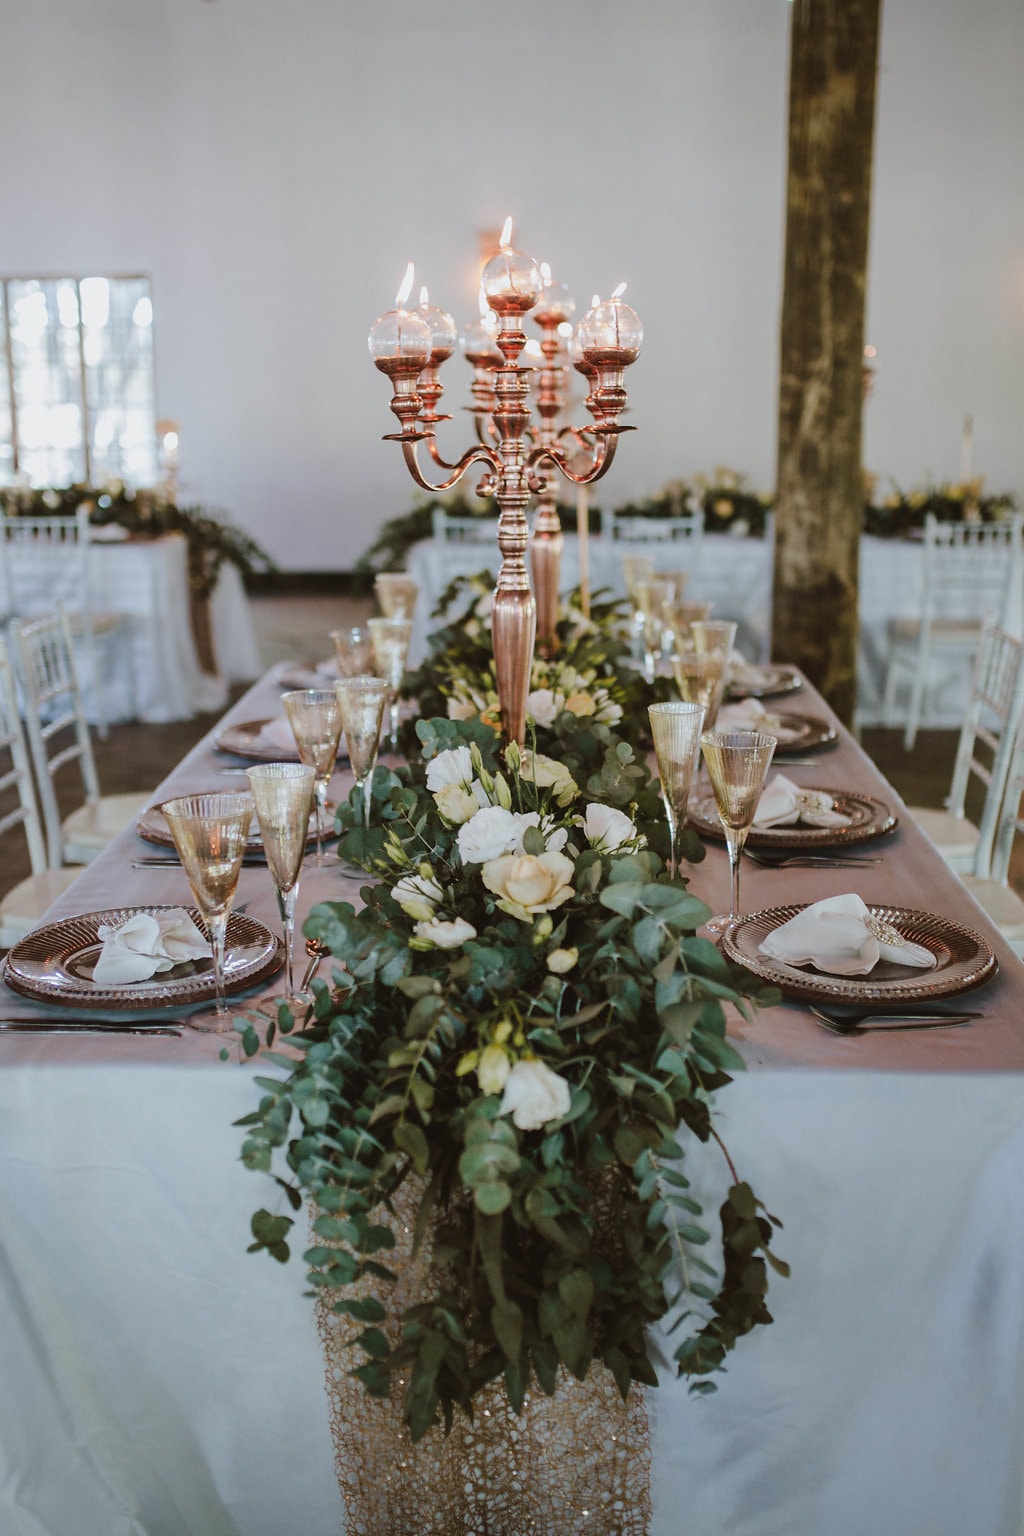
(283, 794)
(396, 593)
(391, 639)
(354, 650)
(701, 669)
(737, 762)
(676, 728)
(361, 701)
(210, 833)
(653, 594)
(315, 719)
(678, 618)
(636, 568)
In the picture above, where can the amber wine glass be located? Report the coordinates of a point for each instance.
(361, 701)
(283, 794)
(391, 639)
(210, 833)
(676, 730)
(315, 719)
(737, 762)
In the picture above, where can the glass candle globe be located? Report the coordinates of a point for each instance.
(610, 334)
(479, 346)
(555, 304)
(399, 334)
(511, 282)
(444, 332)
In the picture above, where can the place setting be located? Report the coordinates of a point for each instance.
(753, 680)
(794, 820)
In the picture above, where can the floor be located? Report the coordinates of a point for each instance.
(137, 757)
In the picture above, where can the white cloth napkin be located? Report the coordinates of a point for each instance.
(836, 936)
(145, 945)
(278, 735)
(744, 673)
(783, 803)
(327, 671)
(751, 715)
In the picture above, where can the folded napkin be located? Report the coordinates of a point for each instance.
(744, 673)
(145, 945)
(278, 735)
(841, 937)
(327, 671)
(783, 803)
(751, 715)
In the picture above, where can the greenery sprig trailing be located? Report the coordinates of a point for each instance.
(523, 1021)
(148, 514)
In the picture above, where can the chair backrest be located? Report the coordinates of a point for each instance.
(17, 777)
(45, 560)
(995, 706)
(971, 571)
(464, 530)
(55, 721)
(1011, 814)
(675, 541)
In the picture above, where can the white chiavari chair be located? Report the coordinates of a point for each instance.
(993, 891)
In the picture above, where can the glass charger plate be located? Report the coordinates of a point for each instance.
(244, 740)
(152, 825)
(764, 682)
(55, 964)
(305, 674)
(963, 959)
(868, 819)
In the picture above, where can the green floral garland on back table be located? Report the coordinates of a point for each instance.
(521, 1017)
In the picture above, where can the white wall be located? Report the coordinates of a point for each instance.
(272, 164)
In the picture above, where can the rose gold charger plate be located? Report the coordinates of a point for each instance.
(963, 960)
(245, 740)
(152, 825)
(54, 964)
(869, 818)
(765, 682)
(808, 732)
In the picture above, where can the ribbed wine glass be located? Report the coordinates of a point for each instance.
(737, 762)
(396, 593)
(354, 650)
(653, 594)
(391, 639)
(676, 730)
(283, 794)
(362, 701)
(210, 833)
(315, 720)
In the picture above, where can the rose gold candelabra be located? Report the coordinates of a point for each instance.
(518, 455)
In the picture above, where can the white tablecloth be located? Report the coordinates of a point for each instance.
(159, 1381)
(735, 575)
(148, 580)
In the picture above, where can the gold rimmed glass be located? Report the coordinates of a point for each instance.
(737, 762)
(391, 639)
(362, 701)
(396, 593)
(354, 650)
(210, 833)
(315, 719)
(652, 595)
(283, 794)
(676, 728)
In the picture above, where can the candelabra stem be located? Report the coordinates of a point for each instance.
(546, 546)
(514, 618)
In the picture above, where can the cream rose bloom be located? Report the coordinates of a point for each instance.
(418, 897)
(606, 829)
(562, 960)
(546, 773)
(490, 833)
(580, 704)
(462, 709)
(544, 705)
(455, 766)
(456, 804)
(529, 883)
(443, 934)
(534, 1095)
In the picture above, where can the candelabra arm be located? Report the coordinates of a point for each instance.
(480, 453)
(604, 453)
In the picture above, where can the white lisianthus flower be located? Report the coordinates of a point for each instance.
(455, 766)
(606, 829)
(443, 934)
(546, 773)
(456, 804)
(529, 883)
(490, 833)
(493, 1069)
(545, 705)
(534, 1095)
(554, 838)
(605, 708)
(418, 897)
(562, 960)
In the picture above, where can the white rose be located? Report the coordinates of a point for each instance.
(454, 766)
(544, 705)
(554, 840)
(528, 883)
(418, 898)
(445, 935)
(456, 804)
(490, 833)
(606, 829)
(534, 1095)
(546, 773)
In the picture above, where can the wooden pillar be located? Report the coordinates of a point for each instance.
(820, 494)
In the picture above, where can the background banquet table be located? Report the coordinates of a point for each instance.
(148, 580)
(159, 1381)
(735, 574)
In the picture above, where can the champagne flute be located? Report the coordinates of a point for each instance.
(737, 762)
(636, 568)
(354, 650)
(361, 701)
(391, 639)
(700, 678)
(652, 594)
(284, 794)
(396, 593)
(679, 616)
(676, 729)
(715, 637)
(315, 720)
(210, 833)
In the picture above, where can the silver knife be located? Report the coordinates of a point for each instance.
(53, 1027)
(248, 861)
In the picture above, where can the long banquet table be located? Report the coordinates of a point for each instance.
(159, 1381)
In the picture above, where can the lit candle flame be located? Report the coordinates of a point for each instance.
(620, 290)
(545, 272)
(506, 234)
(424, 298)
(595, 301)
(406, 288)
